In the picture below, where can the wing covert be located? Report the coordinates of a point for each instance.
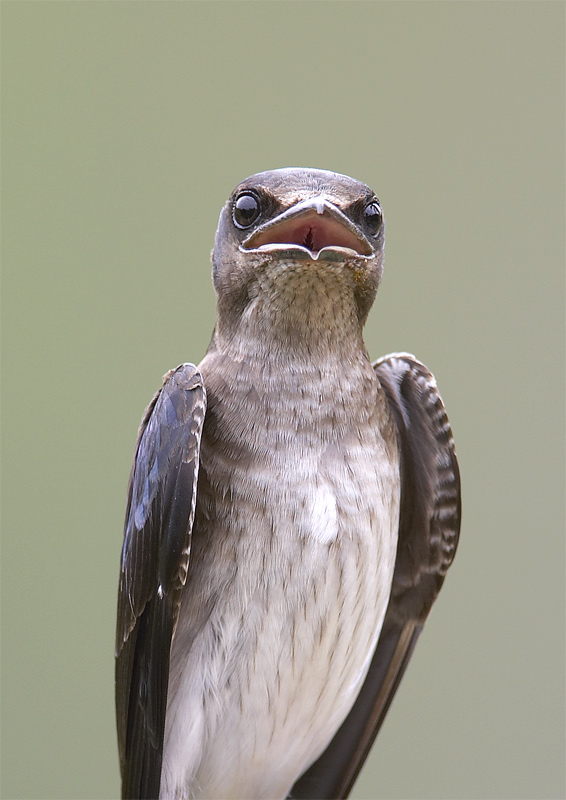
(154, 563)
(429, 525)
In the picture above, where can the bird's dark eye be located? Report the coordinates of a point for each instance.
(373, 217)
(245, 210)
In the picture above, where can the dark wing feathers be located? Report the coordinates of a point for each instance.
(155, 555)
(429, 522)
(429, 527)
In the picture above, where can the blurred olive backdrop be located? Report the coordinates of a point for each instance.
(125, 127)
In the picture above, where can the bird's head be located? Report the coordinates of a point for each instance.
(299, 242)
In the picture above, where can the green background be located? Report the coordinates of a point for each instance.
(125, 127)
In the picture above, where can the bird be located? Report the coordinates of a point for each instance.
(292, 511)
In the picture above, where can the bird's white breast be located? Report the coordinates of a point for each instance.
(323, 514)
(290, 576)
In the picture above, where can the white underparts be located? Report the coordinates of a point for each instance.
(324, 515)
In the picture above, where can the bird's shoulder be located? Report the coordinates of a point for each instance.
(430, 484)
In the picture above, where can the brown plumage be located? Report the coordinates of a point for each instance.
(292, 512)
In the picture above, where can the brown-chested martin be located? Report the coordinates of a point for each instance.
(292, 511)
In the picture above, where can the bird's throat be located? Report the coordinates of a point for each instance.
(299, 308)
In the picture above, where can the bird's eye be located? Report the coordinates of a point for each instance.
(373, 217)
(245, 210)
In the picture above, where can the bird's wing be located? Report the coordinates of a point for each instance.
(155, 556)
(429, 527)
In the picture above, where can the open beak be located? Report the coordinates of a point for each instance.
(313, 225)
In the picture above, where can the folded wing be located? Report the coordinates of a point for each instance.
(155, 557)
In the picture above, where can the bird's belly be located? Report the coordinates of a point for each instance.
(278, 625)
